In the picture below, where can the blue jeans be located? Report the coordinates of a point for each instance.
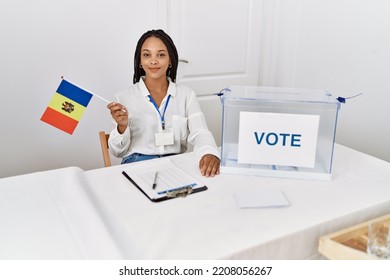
(140, 157)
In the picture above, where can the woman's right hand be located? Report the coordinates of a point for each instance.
(120, 115)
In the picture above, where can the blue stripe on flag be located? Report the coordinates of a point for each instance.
(75, 93)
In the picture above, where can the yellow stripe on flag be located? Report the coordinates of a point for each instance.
(67, 107)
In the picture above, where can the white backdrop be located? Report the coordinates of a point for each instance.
(342, 46)
(90, 43)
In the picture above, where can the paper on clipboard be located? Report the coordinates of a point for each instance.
(170, 178)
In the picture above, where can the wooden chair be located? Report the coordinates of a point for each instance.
(104, 144)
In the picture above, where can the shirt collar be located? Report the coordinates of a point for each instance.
(145, 92)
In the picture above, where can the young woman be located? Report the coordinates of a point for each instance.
(155, 117)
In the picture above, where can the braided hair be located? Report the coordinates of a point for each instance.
(172, 51)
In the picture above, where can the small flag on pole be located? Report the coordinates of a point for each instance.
(66, 107)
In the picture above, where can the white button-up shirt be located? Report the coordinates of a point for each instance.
(183, 117)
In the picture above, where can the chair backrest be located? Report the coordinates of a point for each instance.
(104, 145)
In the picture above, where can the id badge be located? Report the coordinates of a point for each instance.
(163, 138)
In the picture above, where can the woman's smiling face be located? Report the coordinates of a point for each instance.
(154, 58)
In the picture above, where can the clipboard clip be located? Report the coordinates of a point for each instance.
(183, 192)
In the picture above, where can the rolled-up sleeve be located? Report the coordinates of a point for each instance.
(119, 144)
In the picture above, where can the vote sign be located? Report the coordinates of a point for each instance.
(278, 139)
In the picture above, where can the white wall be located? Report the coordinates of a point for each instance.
(342, 46)
(89, 42)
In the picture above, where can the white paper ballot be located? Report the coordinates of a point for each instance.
(261, 198)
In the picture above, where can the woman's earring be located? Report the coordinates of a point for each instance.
(140, 66)
(170, 66)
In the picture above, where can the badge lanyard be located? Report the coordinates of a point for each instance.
(163, 113)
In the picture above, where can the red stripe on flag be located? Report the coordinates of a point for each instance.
(59, 120)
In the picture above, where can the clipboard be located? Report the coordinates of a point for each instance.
(172, 181)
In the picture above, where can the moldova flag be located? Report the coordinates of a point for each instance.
(66, 107)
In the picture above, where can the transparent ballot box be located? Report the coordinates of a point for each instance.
(279, 132)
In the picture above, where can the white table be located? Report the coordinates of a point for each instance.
(123, 223)
(49, 215)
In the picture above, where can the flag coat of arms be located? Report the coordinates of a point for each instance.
(66, 107)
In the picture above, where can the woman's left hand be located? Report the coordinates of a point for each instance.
(209, 165)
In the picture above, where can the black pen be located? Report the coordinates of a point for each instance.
(155, 180)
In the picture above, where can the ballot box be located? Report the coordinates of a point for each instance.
(279, 132)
